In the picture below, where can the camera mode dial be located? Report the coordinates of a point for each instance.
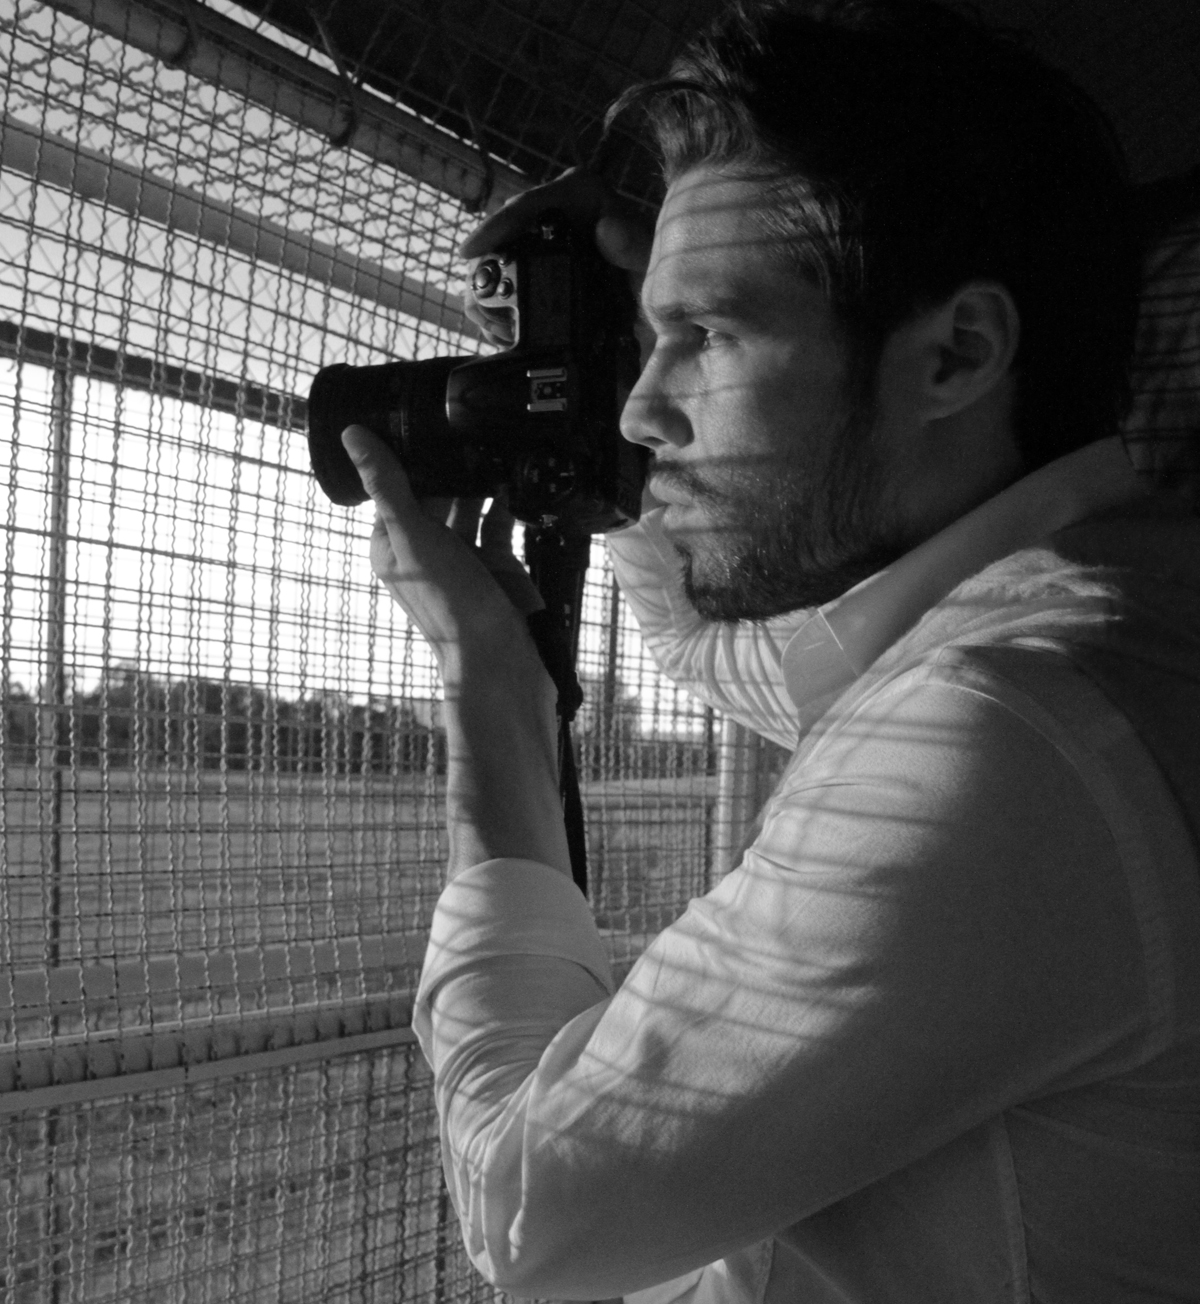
(486, 278)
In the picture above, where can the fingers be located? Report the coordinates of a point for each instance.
(622, 237)
(624, 242)
(463, 518)
(496, 531)
(581, 195)
(384, 479)
(456, 594)
(379, 470)
(401, 520)
(496, 552)
(437, 509)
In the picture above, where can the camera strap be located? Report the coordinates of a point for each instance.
(553, 639)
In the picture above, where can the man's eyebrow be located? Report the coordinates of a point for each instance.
(735, 306)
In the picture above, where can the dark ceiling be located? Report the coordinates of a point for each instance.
(529, 79)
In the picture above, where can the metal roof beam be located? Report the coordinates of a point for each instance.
(185, 34)
(57, 162)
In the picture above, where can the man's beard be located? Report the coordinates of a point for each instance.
(791, 532)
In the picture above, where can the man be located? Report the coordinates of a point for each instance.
(937, 1038)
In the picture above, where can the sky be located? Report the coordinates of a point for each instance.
(197, 543)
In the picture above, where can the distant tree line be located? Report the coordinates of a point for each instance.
(135, 719)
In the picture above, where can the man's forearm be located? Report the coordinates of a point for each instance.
(502, 783)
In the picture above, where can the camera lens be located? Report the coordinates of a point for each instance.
(404, 403)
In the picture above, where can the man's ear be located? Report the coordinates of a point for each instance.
(961, 350)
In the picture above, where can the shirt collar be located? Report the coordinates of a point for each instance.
(840, 640)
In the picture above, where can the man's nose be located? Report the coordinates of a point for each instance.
(652, 417)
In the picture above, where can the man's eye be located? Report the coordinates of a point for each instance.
(710, 339)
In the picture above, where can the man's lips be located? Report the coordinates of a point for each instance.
(668, 494)
(676, 486)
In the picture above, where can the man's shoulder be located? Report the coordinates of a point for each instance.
(1156, 542)
(1113, 601)
(1122, 581)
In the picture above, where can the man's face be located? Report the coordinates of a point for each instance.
(768, 467)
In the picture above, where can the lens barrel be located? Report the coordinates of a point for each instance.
(404, 403)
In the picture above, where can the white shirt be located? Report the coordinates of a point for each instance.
(936, 1038)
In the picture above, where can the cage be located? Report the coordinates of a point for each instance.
(220, 748)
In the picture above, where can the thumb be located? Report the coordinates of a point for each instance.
(379, 469)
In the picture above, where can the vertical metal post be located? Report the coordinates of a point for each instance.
(441, 1244)
(610, 734)
(53, 734)
(53, 728)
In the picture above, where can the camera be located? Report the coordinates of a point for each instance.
(539, 421)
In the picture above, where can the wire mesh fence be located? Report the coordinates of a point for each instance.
(304, 1182)
(220, 747)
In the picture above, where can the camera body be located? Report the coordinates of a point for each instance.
(539, 421)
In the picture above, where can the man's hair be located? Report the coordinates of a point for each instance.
(913, 150)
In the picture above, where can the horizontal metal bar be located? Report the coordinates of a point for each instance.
(58, 1094)
(54, 161)
(220, 51)
(171, 1043)
(255, 403)
(190, 975)
(107, 1051)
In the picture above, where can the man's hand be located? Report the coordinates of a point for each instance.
(502, 784)
(462, 599)
(622, 238)
(470, 603)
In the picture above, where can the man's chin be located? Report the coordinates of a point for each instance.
(718, 598)
(730, 605)
(718, 607)
(742, 592)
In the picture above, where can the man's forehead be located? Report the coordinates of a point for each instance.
(711, 227)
